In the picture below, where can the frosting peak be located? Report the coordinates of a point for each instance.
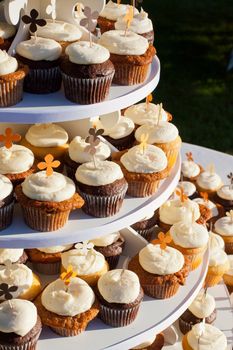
(113, 10)
(209, 181)
(143, 113)
(82, 53)
(174, 211)
(15, 160)
(59, 31)
(224, 226)
(8, 64)
(226, 192)
(106, 240)
(140, 24)
(123, 128)
(210, 339)
(189, 235)
(190, 169)
(13, 255)
(39, 49)
(203, 305)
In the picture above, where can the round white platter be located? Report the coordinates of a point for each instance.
(154, 315)
(56, 108)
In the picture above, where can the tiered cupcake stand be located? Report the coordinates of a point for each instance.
(154, 315)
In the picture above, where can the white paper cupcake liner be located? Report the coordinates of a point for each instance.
(118, 318)
(6, 215)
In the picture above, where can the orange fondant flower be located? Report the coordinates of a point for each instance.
(49, 164)
(67, 275)
(9, 138)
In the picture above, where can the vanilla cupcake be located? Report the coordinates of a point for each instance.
(228, 276)
(15, 256)
(7, 34)
(7, 202)
(86, 262)
(209, 182)
(216, 241)
(190, 170)
(218, 266)
(163, 135)
(216, 211)
(191, 240)
(189, 189)
(27, 284)
(224, 228)
(224, 197)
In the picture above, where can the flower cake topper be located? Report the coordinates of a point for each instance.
(93, 140)
(205, 196)
(128, 18)
(34, 21)
(144, 142)
(79, 8)
(230, 215)
(181, 194)
(67, 275)
(85, 247)
(49, 164)
(6, 290)
(189, 156)
(230, 177)
(211, 168)
(51, 10)
(8, 138)
(163, 240)
(90, 21)
(9, 267)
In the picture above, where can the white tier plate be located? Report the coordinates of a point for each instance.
(56, 108)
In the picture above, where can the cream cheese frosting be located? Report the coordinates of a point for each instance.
(39, 49)
(46, 135)
(224, 226)
(218, 257)
(113, 10)
(158, 133)
(145, 344)
(105, 173)
(203, 305)
(158, 262)
(8, 64)
(7, 31)
(54, 188)
(190, 169)
(17, 316)
(16, 275)
(188, 187)
(151, 160)
(230, 260)
(174, 211)
(209, 338)
(59, 31)
(208, 204)
(106, 240)
(226, 192)
(120, 44)
(78, 154)
(124, 127)
(56, 249)
(6, 187)
(143, 113)
(119, 286)
(140, 24)
(15, 160)
(70, 300)
(189, 235)
(216, 241)
(209, 181)
(12, 255)
(82, 53)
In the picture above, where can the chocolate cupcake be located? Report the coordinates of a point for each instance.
(20, 325)
(87, 73)
(15, 256)
(7, 202)
(120, 295)
(189, 189)
(7, 34)
(224, 197)
(146, 227)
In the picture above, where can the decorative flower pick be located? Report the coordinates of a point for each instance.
(6, 291)
(67, 275)
(79, 8)
(49, 164)
(9, 138)
(230, 215)
(211, 168)
(143, 142)
(230, 177)
(34, 21)
(93, 140)
(51, 10)
(189, 156)
(163, 240)
(181, 194)
(85, 247)
(205, 196)
(90, 21)
(160, 113)
(128, 18)
(149, 99)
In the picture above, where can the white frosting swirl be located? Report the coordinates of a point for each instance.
(17, 316)
(82, 53)
(190, 169)
(6, 187)
(189, 235)
(39, 49)
(211, 339)
(59, 31)
(226, 192)
(140, 24)
(203, 305)
(7, 31)
(56, 249)
(224, 226)
(209, 181)
(123, 128)
(10, 254)
(218, 257)
(46, 135)
(230, 260)
(119, 286)
(70, 300)
(158, 262)
(143, 113)
(188, 187)
(145, 344)
(8, 64)
(216, 241)
(54, 188)
(15, 160)
(106, 240)
(151, 160)
(83, 262)
(78, 154)
(105, 173)
(174, 211)
(208, 204)
(161, 133)
(120, 44)
(112, 11)
(16, 275)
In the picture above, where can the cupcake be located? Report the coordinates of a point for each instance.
(47, 260)
(15, 256)
(7, 34)
(224, 197)
(111, 246)
(12, 76)
(144, 169)
(190, 170)
(86, 262)
(203, 307)
(191, 240)
(204, 337)
(152, 343)
(42, 56)
(228, 276)
(87, 73)
(20, 325)
(189, 189)
(67, 309)
(140, 24)
(7, 202)
(216, 210)
(27, 284)
(224, 228)
(163, 135)
(47, 201)
(216, 241)
(43, 139)
(102, 186)
(218, 266)
(160, 272)
(146, 227)
(131, 55)
(76, 155)
(209, 182)
(16, 163)
(120, 295)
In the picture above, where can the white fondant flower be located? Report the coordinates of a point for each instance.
(84, 247)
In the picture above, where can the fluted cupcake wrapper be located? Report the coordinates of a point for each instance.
(86, 91)
(29, 345)
(112, 261)
(160, 291)
(127, 74)
(116, 317)
(229, 248)
(147, 233)
(185, 327)
(6, 215)
(142, 189)
(66, 332)
(212, 280)
(48, 268)
(11, 92)
(43, 81)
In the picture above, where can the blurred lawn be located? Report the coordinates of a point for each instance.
(194, 39)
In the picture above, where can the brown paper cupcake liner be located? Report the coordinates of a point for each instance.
(29, 345)
(142, 189)
(229, 248)
(147, 233)
(11, 92)
(185, 327)
(127, 74)
(112, 261)
(118, 318)
(66, 332)
(48, 268)
(86, 91)
(43, 81)
(6, 215)
(161, 291)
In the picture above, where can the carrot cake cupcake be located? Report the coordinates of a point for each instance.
(224, 197)
(190, 170)
(224, 228)
(218, 266)
(15, 256)
(228, 276)
(7, 202)
(146, 227)
(209, 182)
